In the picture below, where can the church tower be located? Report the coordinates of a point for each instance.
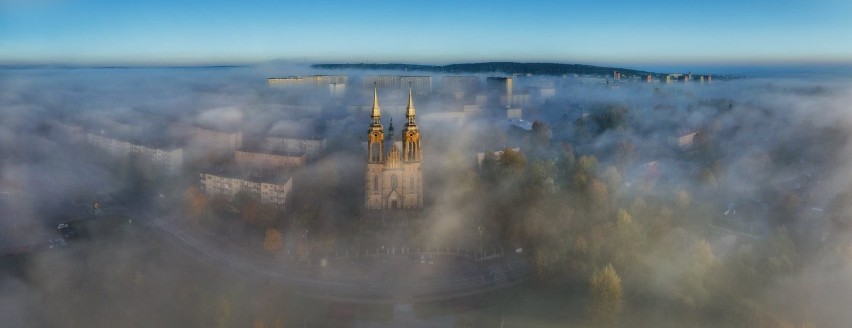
(411, 157)
(394, 179)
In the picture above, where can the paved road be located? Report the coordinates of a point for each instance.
(397, 280)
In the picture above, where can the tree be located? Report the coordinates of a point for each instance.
(196, 201)
(598, 192)
(627, 239)
(700, 266)
(626, 153)
(273, 240)
(488, 169)
(683, 199)
(584, 171)
(605, 294)
(542, 173)
(588, 164)
(540, 139)
(612, 177)
(248, 212)
(223, 312)
(512, 163)
(780, 252)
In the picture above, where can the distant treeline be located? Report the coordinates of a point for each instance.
(497, 67)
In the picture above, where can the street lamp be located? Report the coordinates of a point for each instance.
(481, 231)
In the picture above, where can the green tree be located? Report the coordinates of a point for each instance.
(605, 293)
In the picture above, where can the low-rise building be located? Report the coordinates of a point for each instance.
(419, 84)
(268, 159)
(206, 139)
(311, 147)
(167, 156)
(454, 83)
(269, 188)
(311, 80)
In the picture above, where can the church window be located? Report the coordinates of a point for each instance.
(375, 183)
(411, 182)
(393, 181)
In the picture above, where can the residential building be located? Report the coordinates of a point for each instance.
(269, 188)
(420, 85)
(207, 140)
(455, 83)
(311, 80)
(268, 159)
(167, 156)
(312, 148)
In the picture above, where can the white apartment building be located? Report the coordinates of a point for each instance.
(269, 189)
(170, 158)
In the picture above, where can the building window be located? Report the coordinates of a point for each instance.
(375, 183)
(411, 182)
(393, 181)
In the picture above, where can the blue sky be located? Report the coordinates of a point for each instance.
(633, 32)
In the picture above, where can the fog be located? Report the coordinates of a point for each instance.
(745, 223)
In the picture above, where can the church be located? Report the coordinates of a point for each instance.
(394, 179)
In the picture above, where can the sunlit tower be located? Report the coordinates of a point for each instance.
(394, 177)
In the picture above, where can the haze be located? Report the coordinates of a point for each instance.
(189, 164)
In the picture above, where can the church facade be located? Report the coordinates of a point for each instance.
(394, 179)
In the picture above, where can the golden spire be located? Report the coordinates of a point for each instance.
(376, 110)
(410, 108)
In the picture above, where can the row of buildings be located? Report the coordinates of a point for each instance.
(260, 167)
(167, 157)
(419, 84)
(269, 187)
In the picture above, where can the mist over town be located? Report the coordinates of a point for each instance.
(425, 164)
(546, 200)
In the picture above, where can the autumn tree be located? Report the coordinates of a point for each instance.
(273, 240)
(612, 177)
(541, 174)
(598, 192)
(605, 293)
(683, 199)
(249, 210)
(196, 201)
(628, 238)
(780, 252)
(488, 169)
(511, 163)
(540, 138)
(223, 312)
(584, 171)
(700, 264)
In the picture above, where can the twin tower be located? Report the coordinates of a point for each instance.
(394, 178)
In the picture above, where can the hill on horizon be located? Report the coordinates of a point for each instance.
(509, 68)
